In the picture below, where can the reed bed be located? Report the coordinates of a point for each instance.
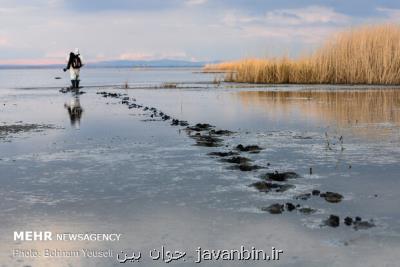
(362, 55)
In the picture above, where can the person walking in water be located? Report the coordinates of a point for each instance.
(74, 65)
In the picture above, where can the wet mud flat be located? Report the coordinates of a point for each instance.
(214, 168)
(9, 130)
(207, 135)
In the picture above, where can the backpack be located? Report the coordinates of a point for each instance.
(76, 62)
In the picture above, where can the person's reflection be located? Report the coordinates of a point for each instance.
(75, 111)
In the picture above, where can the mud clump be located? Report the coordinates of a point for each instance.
(274, 208)
(307, 210)
(176, 122)
(223, 154)
(245, 167)
(315, 192)
(290, 206)
(221, 132)
(237, 160)
(280, 176)
(332, 221)
(358, 223)
(363, 225)
(6, 130)
(266, 187)
(332, 197)
(111, 95)
(304, 196)
(348, 221)
(199, 127)
(207, 140)
(165, 117)
(250, 149)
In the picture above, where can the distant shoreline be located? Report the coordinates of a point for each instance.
(162, 63)
(11, 67)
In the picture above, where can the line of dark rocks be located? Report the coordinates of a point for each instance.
(206, 135)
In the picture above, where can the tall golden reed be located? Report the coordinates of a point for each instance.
(362, 55)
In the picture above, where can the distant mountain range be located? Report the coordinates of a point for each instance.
(161, 63)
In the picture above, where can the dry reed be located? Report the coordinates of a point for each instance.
(362, 55)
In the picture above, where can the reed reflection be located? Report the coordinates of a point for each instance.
(344, 108)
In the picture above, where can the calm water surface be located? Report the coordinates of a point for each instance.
(114, 171)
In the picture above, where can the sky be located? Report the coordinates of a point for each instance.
(44, 31)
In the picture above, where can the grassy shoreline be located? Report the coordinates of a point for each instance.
(362, 55)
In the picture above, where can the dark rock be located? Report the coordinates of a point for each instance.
(332, 197)
(223, 154)
(315, 192)
(290, 206)
(280, 176)
(251, 148)
(358, 219)
(348, 221)
(125, 98)
(332, 221)
(145, 108)
(274, 208)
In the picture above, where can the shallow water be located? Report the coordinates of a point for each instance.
(115, 171)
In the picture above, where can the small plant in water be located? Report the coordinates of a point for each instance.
(169, 85)
(126, 85)
(328, 143)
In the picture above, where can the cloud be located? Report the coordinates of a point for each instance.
(195, 2)
(306, 15)
(181, 29)
(153, 55)
(308, 25)
(4, 41)
(390, 14)
(121, 5)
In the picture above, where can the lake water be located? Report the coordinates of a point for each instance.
(118, 170)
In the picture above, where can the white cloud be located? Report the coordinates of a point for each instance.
(306, 15)
(195, 2)
(153, 55)
(4, 41)
(392, 15)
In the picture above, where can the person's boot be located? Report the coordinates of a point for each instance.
(72, 84)
(77, 83)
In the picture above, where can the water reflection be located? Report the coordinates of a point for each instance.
(341, 107)
(75, 110)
